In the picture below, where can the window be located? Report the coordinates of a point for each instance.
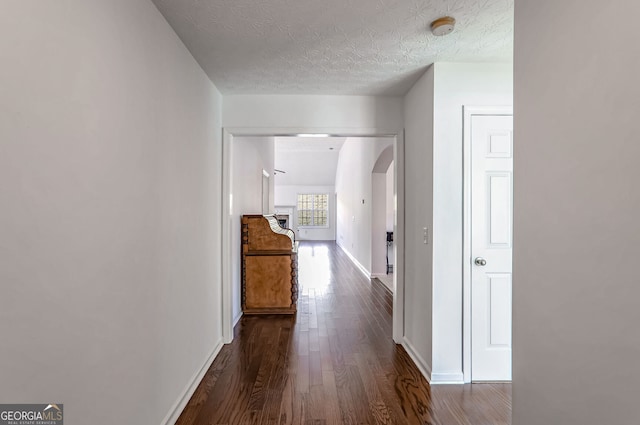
(313, 210)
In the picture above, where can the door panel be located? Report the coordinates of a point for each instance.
(491, 240)
(499, 209)
(499, 311)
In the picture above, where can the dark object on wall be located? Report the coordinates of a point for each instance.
(389, 243)
(269, 266)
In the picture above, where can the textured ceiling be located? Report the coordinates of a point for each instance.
(373, 47)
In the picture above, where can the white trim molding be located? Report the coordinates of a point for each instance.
(422, 365)
(237, 319)
(451, 378)
(226, 309)
(399, 238)
(176, 410)
(353, 259)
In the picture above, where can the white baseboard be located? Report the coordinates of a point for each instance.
(356, 262)
(178, 407)
(389, 289)
(237, 319)
(384, 282)
(423, 367)
(450, 378)
(378, 274)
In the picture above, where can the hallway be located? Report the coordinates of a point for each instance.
(334, 363)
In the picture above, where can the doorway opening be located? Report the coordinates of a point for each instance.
(383, 204)
(229, 254)
(487, 243)
(305, 184)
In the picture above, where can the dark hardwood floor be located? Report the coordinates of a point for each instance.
(333, 363)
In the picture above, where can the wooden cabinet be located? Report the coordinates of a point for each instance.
(269, 266)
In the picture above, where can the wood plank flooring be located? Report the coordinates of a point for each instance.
(333, 363)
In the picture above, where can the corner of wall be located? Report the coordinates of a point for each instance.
(418, 183)
(423, 366)
(353, 259)
(176, 410)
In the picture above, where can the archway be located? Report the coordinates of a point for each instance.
(383, 205)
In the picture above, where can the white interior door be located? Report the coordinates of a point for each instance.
(491, 246)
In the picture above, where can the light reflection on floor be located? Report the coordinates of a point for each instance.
(314, 266)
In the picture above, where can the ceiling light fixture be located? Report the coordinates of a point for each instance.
(313, 135)
(443, 26)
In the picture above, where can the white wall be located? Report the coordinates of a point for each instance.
(456, 85)
(576, 228)
(287, 196)
(250, 156)
(418, 107)
(353, 185)
(301, 112)
(307, 168)
(378, 223)
(109, 227)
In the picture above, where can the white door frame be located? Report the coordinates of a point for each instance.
(398, 155)
(265, 175)
(469, 111)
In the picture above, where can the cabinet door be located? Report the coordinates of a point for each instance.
(268, 281)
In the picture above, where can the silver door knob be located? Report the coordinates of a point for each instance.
(480, 261)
